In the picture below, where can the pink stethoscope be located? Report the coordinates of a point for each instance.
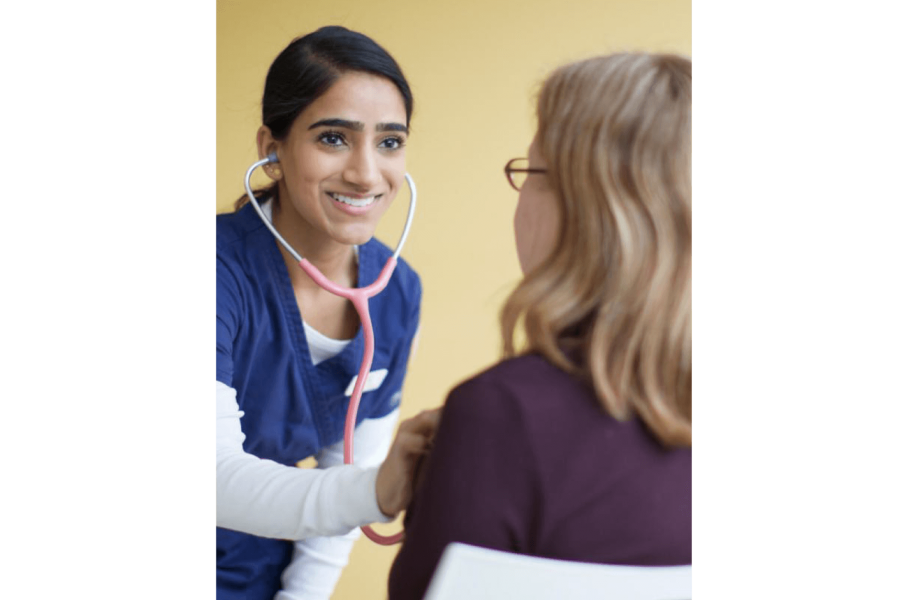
(360, 299)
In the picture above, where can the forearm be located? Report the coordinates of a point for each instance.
(268, 499)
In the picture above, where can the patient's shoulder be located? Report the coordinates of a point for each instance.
(525, 383)
(527, 375)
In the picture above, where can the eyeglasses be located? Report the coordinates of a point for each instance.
(517, 171)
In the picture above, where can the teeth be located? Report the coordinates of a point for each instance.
(358, 203)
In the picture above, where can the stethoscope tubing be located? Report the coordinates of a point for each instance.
(359, 297)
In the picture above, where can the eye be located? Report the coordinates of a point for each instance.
(332, 138)
(392, 143)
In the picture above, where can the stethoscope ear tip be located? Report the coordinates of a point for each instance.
(272, 157)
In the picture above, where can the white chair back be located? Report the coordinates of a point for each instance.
(471, 573)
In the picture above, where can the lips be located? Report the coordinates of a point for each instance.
(354, 202)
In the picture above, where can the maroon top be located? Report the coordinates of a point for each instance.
(527, 461)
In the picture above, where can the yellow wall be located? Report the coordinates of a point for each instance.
(474, 67)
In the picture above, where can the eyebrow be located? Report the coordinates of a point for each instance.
(357, 126)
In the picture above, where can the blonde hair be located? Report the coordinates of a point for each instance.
(612, 301)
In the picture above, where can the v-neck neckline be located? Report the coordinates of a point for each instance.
(295, 317)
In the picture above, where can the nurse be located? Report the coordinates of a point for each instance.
(336, 110)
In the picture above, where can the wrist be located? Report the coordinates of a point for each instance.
(382, 494)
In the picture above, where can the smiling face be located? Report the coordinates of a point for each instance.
(342, 162)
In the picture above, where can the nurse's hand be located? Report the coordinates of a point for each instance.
(394, 484)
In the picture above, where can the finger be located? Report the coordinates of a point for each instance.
(415, 445)
(425, 422)
(412, 444)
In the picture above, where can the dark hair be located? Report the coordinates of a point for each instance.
(307, 69)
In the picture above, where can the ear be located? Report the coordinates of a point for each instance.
(265, 145)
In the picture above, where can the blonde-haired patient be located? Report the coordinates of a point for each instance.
(577, 446)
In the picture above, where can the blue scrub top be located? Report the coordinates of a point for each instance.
(292, 409)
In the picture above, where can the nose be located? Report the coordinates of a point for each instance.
(362, 168)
